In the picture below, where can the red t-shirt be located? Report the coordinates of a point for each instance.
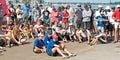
(8, 13)
(65, 14)
(116, 15)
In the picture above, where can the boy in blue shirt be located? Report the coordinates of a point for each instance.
(47, 39)
(54, 47)
(39, 44)
(102, 19)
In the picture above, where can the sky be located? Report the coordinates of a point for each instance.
(92, 1)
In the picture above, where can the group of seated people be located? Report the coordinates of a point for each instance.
(19, 33)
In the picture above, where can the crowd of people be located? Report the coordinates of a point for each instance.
(48, 26)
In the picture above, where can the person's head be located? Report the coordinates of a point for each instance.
(49, 32)
(84, 29)
(100, 7)
(113, 9)
(50, 4)
(41, 36)
(108, 9)
(36, 6)
(79, 6)
(10, 26)
(68, 6)
(39, 22)
(55, 37)
(54, 9)
(118, 7)
(25, 3)
(65, 9)
(59, 9)
(102, 14)
(9, 6)
(46, 8)
(19, 6)
(87, 7)
(41, 6)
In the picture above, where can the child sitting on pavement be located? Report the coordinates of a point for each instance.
(39, 44)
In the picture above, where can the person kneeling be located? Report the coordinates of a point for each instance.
(39, 44)
(54, 48)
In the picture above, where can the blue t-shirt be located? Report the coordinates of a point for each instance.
(47, 40)
(38, 43)
(26, 10)
(50, 46)
(102, 24)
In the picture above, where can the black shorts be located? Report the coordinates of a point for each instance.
(55, 54)
(109, 27)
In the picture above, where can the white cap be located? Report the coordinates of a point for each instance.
(40, 34)
(70, 24)
(107, 7)
(100, 6)
(118, 6)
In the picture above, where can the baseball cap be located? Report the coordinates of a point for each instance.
(118, 6)
(100, 6)
(54, 36)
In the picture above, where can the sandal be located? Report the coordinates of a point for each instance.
(65, 57)
(72, 55)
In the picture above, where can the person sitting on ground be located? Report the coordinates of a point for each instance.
(71, 32)
(54, 47)
(16, 36)
(27, 32)
(100, 37)
(7, 37)
(84, 35)
(39, 44)
(48, 38)
(38, 27)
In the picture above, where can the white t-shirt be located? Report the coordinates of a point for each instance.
(84, 34)
(50, 9)
(19, 15)
(71, 11)
(111, 20)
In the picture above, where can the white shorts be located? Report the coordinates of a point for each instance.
(101, 28)
(117, 25)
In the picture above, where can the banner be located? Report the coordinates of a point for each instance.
(4, 6)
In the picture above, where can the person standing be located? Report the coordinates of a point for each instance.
(65, 16)
(71, 12)
(79, 15)
(116, 17)
(26, 9)
(36, 13)
(86, 16)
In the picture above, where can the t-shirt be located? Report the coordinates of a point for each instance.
(47, 40)
(84, 34)
(65, 14)
(19, 15)
(26, 10)
(46, 14)
(50, 46)
(102, 24)
(38, 43)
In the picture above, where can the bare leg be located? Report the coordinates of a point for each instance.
(116, 35)
(58, 50)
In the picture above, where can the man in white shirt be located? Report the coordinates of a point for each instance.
(84, 35)
(50, 8)
(86, 17)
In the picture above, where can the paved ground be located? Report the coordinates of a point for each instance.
(84, 52)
